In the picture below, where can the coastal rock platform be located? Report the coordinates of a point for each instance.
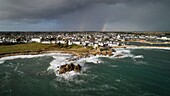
(69, 67)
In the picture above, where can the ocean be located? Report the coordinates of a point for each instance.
(139, 72)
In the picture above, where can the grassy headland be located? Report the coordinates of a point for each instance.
(36, 48)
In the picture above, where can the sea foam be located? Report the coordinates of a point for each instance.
(138, 56)
(3, 59)
(60, 59)
(67, 59)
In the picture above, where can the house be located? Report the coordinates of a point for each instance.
(95, 46)
(76, 42)
(1, 41)
(36, 39)
(70, 42)
(61, 41)
(46, 42)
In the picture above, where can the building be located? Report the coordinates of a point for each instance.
(38, 40)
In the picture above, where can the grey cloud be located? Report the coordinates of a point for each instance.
(149, 16)
(41, 9)
(47, 9)
(89, 14)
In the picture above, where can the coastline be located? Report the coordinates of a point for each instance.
(79, 54)
(36, 53)
(74, 53)
(147, 47)
(62, 64)
(36, 48)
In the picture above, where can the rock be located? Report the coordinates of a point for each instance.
(77, 68)
(113, 50)
(119, 55)
(110, 53)
(63, 69)
(69, 67)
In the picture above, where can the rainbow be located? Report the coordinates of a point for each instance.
(104, 28)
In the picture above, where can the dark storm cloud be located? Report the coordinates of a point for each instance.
(89, 14)
(149, 16)
(47, 9)
(42, 9)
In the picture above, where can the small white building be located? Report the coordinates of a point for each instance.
(84, 43)
(77, 42)
(1, 41)
(38, 40)
(46, 42)
(112, 44)
(95, 45)
(61, 41)
(70, 43)
(101, 44)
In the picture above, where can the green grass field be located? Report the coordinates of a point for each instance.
(40, 47)
(23, 47)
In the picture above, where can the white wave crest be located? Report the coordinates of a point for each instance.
(62, 59)
(124, 53)
(67, 59)
(138, 56)
(3, 59)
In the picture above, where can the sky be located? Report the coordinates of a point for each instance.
(84, 15)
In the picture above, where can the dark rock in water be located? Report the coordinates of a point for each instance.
(77, 68)
(119, 55)
(113, 50)
(69, 67)
(63, 69)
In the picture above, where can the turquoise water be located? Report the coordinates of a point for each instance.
(148, 76)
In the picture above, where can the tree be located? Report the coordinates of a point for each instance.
(18, 40)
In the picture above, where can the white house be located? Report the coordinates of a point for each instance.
(112, 44)
(95, 45)
(77, 42)
(38, 40)
(84, 43)
(1, 41)
(61, 41)
(46, 42)
(101, 44)
(70, 43)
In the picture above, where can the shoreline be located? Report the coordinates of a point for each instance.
(147, 47)
(81, 54)
(147, 42)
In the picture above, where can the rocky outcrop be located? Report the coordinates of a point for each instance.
(69, 67)
(113, 50)
(119, 55)
(77, 68)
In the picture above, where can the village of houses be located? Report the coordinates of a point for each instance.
(93, 39)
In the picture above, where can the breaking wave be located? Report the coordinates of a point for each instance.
(62, 59)
(3, 59)
(67, 59)
(138, 56)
